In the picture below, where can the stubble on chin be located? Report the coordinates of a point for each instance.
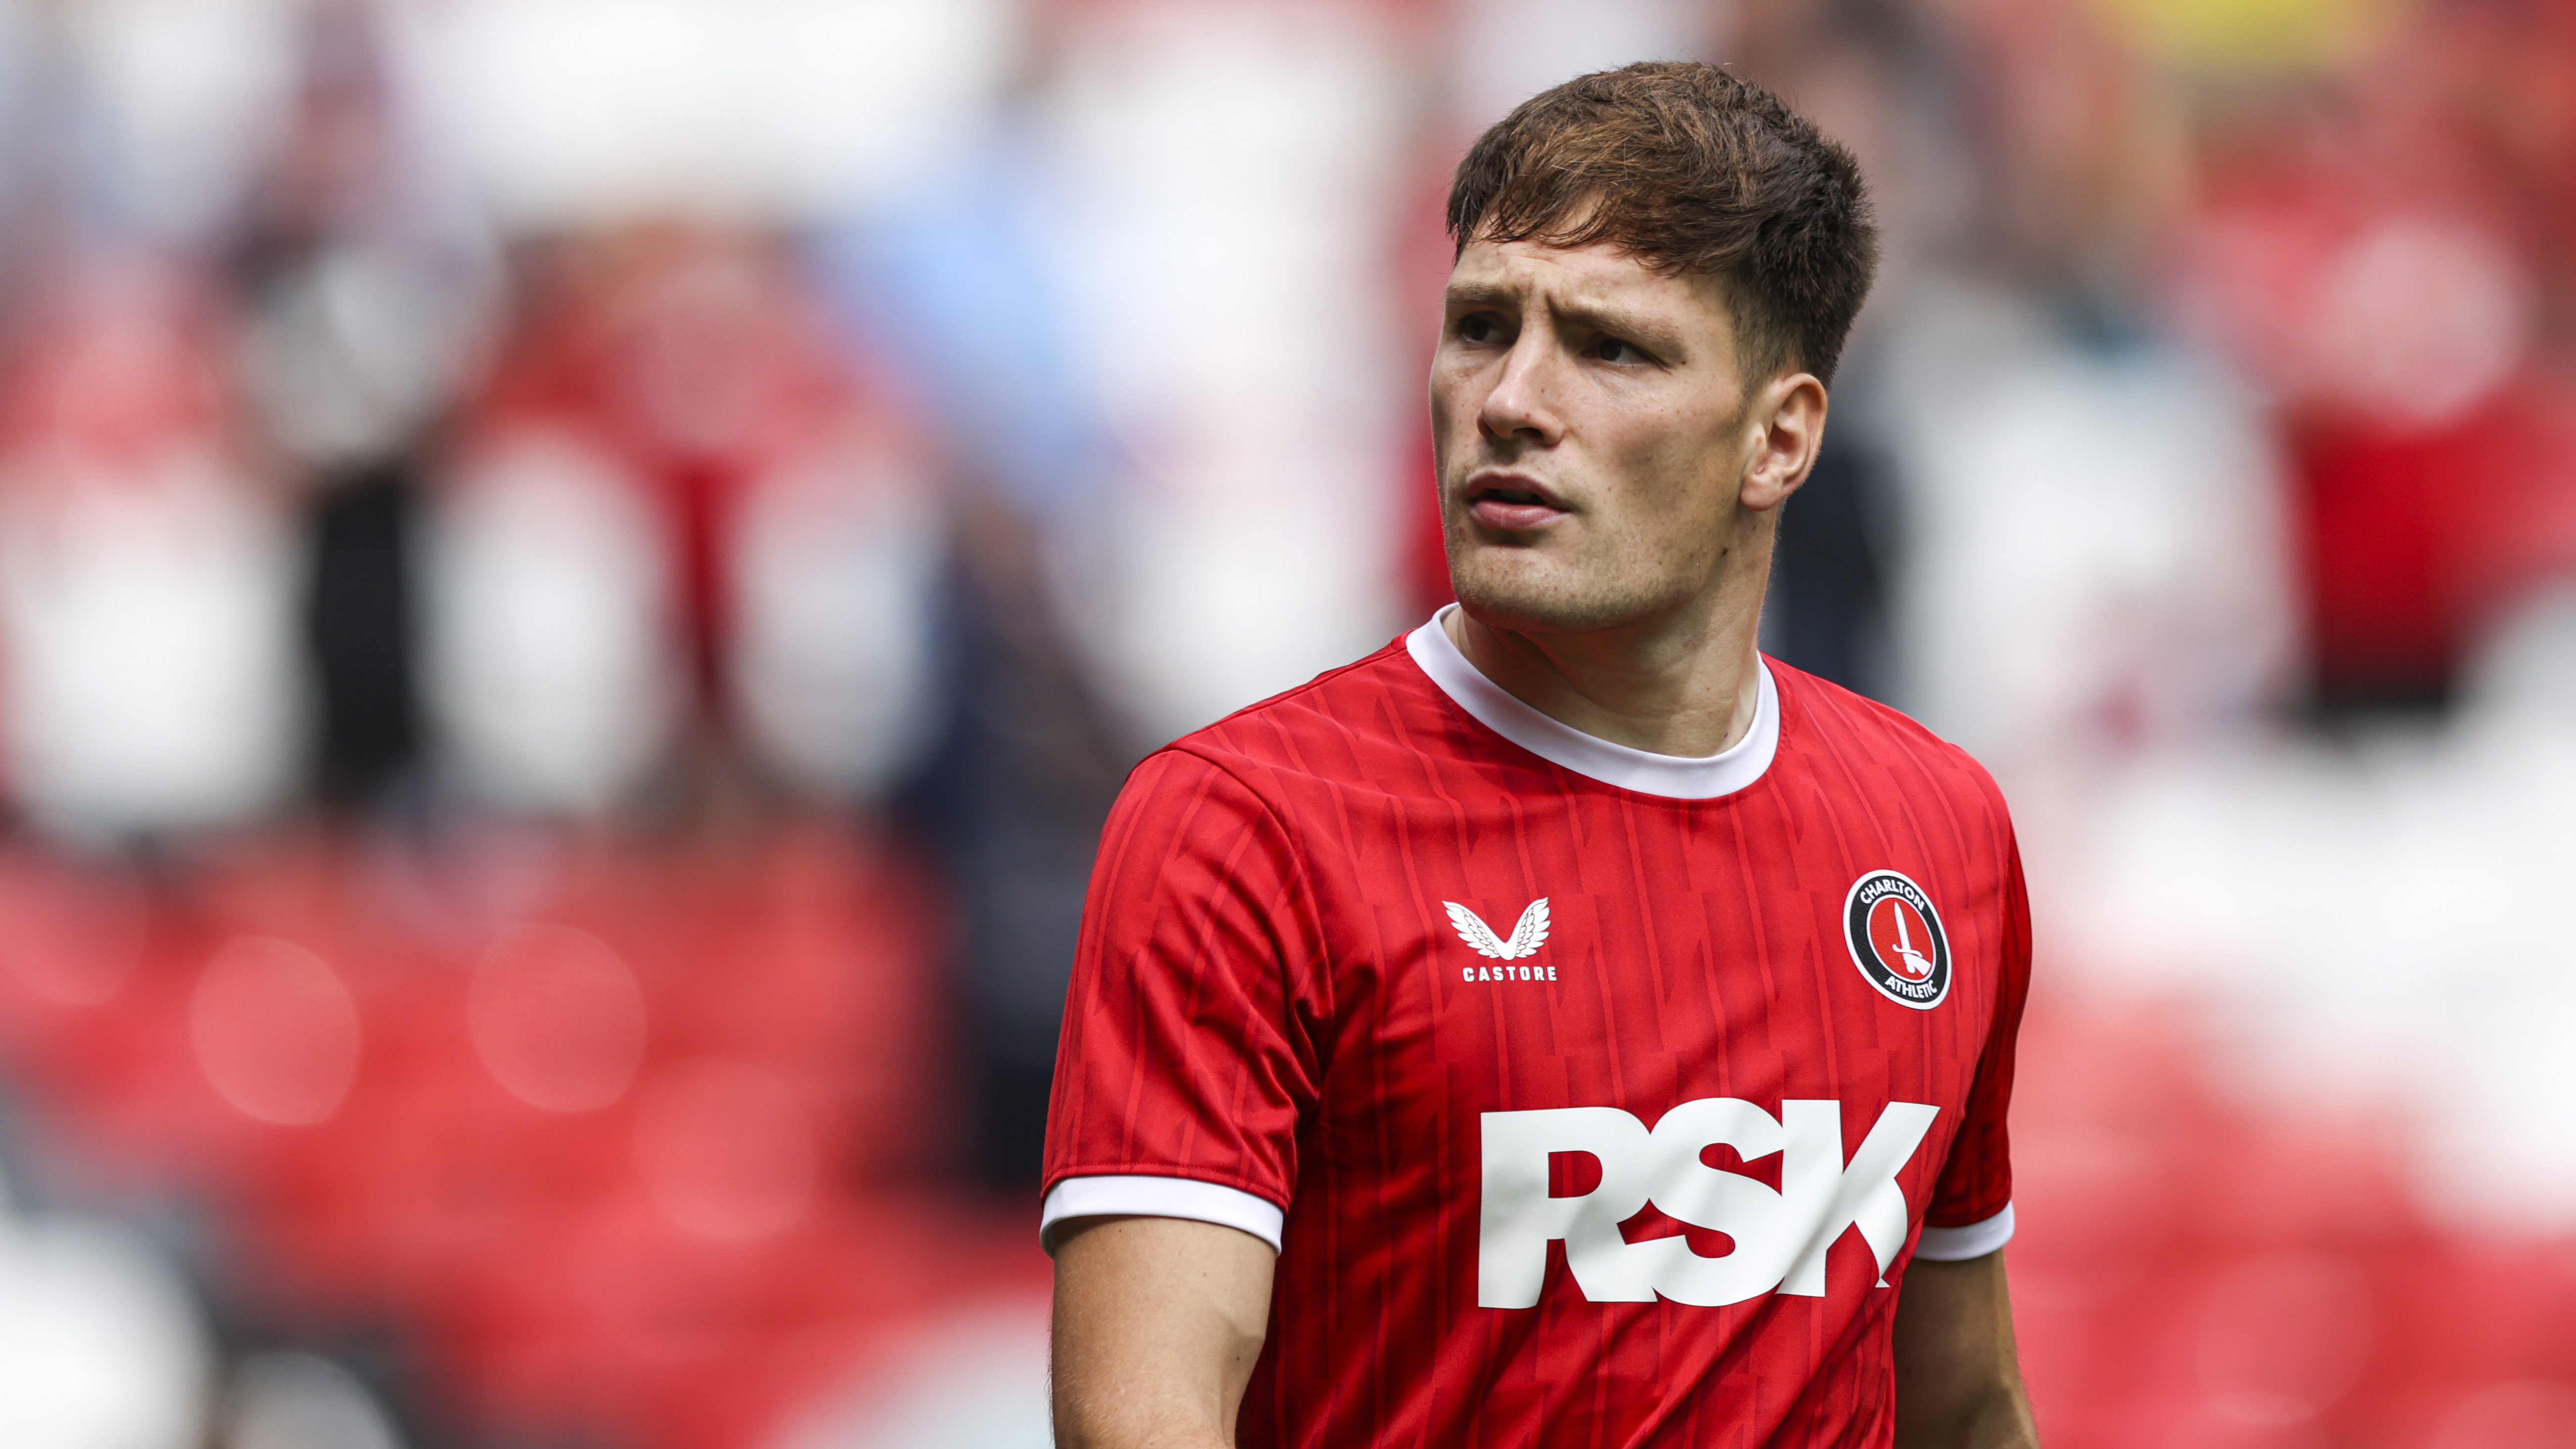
(1537, 590)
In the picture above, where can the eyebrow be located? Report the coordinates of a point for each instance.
(1476, 294)
(1653, 336)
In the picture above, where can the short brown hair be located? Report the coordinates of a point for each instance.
(1692, 171)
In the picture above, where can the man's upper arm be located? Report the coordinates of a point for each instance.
(1970, 1211)
(1158, 1322)
(1958, 1380)
(1186, 1053)
(1183, 1073)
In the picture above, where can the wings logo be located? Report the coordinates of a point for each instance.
(1527, 936)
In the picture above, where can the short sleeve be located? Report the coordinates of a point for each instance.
(1971, 1209)
(1188, 1044)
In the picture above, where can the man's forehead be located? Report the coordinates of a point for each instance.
(1599, 274)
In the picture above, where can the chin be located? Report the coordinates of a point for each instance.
(1514, 594)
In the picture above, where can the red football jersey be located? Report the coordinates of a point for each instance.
(1592, 1097)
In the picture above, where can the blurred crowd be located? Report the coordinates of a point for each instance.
(577, 576)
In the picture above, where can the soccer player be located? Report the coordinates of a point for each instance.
(1564, 1027)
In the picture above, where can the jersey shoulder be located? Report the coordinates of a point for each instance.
(1820, 715)
(1327, 727)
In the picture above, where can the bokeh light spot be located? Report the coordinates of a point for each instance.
(275, 1031)
(557, 1018)
(2527, 1414)
(2284, 1336)
(725, 1148)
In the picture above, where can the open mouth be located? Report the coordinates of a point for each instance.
(1513, 504)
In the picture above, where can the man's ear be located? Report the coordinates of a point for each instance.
(1787, 421)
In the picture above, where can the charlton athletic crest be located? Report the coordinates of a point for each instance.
(1896, 940)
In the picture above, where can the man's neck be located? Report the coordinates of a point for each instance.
(1684, 687)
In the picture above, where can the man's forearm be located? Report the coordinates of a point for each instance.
(2002, 1422)
(1094, 1426)
(1958, 1378)
(1996, 1418)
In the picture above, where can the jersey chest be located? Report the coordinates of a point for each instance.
(1521, 951)
(1568, 1019)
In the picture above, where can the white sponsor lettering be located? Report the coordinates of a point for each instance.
(1507, 973)
(1781, 1238)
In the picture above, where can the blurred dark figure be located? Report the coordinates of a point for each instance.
(958, 283)
(358, 627)
(1827, 610)
(1014, 801)
(362, 289)
(1876, 76)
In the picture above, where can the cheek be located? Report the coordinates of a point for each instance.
(1450, 400)
(1669, 466)
(1683, 489)
(1453, 415)
(1698, 457)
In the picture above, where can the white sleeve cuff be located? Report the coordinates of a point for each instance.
(1158, 1197)
(1957, 1245)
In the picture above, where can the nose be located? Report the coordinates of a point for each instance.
(1521, 405)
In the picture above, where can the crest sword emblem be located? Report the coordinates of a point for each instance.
(1527, 936)
(1914, 960)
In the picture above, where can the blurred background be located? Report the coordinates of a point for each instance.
(577, 577)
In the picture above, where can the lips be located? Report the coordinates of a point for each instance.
(1512, 503)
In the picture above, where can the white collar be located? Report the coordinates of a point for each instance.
(1673, 776)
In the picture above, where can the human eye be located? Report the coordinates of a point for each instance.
(1478, 328)
(1618, 349)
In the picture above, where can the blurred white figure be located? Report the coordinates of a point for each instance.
(688, 509)
(836, 560)
(2365, 923)
(146, 582)
(147, 621)
(975, 1381)
(354, 352)
(300, 1401)
(1510, 50)
(101, 1346)
(2096, 555)
(2524, 671)
(548, 664)
(1228, 172)
(177, 99)
(573, 112)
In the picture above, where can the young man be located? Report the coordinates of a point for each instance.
(1563, 1027)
